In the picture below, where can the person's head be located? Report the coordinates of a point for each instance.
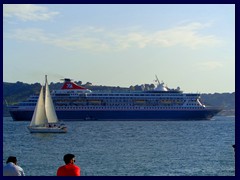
(69, 158)
(12, 159)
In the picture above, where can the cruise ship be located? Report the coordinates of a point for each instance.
(76, 103)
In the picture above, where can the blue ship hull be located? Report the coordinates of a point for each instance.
(71, 115)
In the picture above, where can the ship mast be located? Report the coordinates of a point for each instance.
(157, 79)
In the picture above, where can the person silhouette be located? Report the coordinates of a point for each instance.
(11, 168)
(69, 169)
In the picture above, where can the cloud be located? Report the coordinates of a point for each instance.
(99, 39)
(210, 65)
(185, 35)
(27, 12)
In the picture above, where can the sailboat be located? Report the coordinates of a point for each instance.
(44, 119)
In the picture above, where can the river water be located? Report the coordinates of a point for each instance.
(133, 148)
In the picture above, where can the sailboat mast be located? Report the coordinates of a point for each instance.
(45, 79)
(49, 106)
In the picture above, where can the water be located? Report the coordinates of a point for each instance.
(133, 148)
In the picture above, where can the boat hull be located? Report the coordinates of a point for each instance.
(84, 115)
(46, 130)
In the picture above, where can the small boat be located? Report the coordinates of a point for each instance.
(44, 119)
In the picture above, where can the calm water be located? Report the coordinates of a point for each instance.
(134, 148)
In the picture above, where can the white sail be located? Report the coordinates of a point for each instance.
(50, 111)
(39, 116)
(44, 114)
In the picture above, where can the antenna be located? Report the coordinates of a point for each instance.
(157, 79)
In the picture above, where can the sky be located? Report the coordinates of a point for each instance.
(191, 46)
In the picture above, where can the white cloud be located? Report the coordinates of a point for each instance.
(185, 35)
(210, 65)
(99, 39)
(32, 35)
(27, 12)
